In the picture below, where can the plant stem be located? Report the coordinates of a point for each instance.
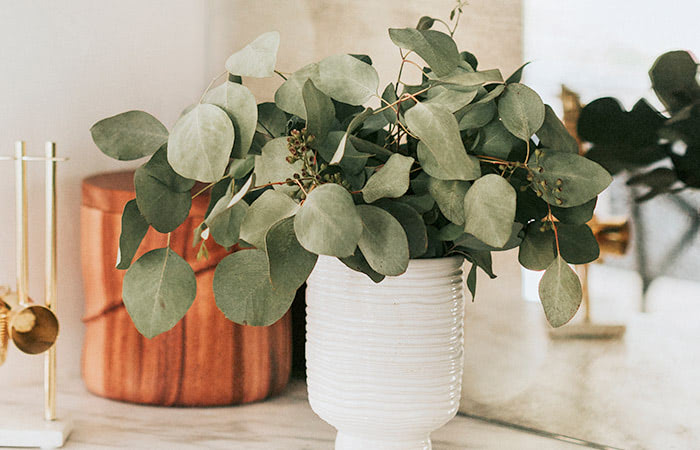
(281, 75)
(550, 217)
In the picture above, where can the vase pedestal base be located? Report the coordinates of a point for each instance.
(23, 430)
(345, 441)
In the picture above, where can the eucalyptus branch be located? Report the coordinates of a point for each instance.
(281, 74)
(550, 218)
(211, 83)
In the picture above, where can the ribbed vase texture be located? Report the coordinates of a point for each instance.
(384, 361)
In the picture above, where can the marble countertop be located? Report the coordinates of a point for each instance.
(284, 422)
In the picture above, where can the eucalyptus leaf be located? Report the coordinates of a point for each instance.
(358, 263)
(289, 263)
(441, 143)
(288, 96)
(470, 242)
(477, 115)
(449, 195)
(256, 59)
(471, 281)
(389, 97)
(538, 248)
(134, 228)
(468, 78)
(370, 148)
(577, 243)
(158, 290)
(412, 224)
(383, 242)
(517, 75)
(352, 126)
(489, 210)
(451, 99)
(421, 203)
(272, 166)
(492, 94)
(244, 293)
(674, 77)
(347, 79)
(576, 215)
(553, 134)
(200, 144)
(226, 225)
(130, 135)
(319, 111)
(425, 23)
(352, 161)
(521, 110)
(392, 180)
(239, 168)
(560, 292)
(569, 179)
(450, 232)
(268, 209)
(271, 120)
(328, 223)
(496, 141)
(239, 103)
(160, 194)
(437, 49)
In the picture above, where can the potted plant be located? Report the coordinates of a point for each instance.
(377, 207)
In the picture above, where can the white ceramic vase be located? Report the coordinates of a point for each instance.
(384, 361)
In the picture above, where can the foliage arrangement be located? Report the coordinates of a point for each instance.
(662, 151)
(465, 163)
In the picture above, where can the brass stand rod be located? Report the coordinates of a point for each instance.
(50, 293)
(21, 218)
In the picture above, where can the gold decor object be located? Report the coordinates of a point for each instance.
(612, 235)
(31, 326)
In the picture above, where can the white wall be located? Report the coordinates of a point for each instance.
(64, 66)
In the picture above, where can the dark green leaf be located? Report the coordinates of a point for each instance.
(288, 96)
(358, 263)
(134, 228)
(225, 225)
(577, 243)
(471, 281)
(158, 290)
(244, 292)
(674, 79)
(517, 75)
(560, 293)
(496, 141)
(130, 135)
(469, 78)
(352, 126)
(389, 97)
(577, 215)
(425, 23)
(352, 162)
(538, 248)
(477, 115)
(290, 264)
(239, 168)
(271, 120)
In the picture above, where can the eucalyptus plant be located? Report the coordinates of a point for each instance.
(660, 151)
(464, 163)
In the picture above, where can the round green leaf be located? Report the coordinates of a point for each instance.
(130, 135)
(477, 115)
(134, 228)
(158, 290)
(290, 264)
(226, 225)
(240, 105)
(256, 59)
(674, 79)
(272, 166)
(289, 97)
(437, 49)
(496, 141)
(560, 292)
(244, 292)
(442, 147)
(200, 144)
(266, 210)
(392, 180)
(358, 263)
(328, 223)
(569, 179)
(347, 79)
(576, 215)
(577, 243)
(383, 242)
(489, 210)
(449, 195)
(538, 249)
(162, 196)
(553, 134)
(412, 224)
(271, 120)
(521, 110)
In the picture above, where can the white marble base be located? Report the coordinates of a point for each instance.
(18, 430)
